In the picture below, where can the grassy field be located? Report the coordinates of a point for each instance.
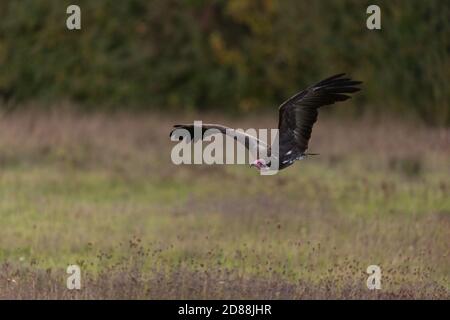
(100, 191)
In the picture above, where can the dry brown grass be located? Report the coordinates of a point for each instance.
(78, 188)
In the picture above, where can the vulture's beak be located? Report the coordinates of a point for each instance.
(255, 165)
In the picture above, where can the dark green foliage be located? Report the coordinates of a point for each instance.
(233, 55)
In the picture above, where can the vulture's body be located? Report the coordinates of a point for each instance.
(297, 116)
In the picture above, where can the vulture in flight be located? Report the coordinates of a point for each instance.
(297, 116)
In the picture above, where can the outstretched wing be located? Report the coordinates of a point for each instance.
(252, 143)
(298, 114)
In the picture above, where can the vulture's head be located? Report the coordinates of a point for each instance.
(260, 164)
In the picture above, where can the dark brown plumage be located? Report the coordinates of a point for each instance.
(297, 116)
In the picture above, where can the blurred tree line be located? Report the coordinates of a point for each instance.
(235, 55)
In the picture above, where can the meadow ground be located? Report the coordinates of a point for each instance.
(100, 191)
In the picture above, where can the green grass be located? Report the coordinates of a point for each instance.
(103, 199)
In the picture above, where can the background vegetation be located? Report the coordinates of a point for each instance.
(98, 188)
(100, 191)
(232, 55)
